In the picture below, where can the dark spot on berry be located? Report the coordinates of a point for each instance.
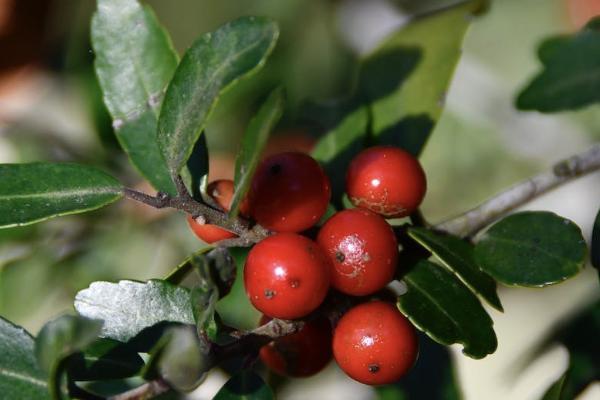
(269, 294)
(294, 283)
(339, 256)
(373, 368)
(275, 169)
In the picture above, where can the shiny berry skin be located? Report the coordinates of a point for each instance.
(386, 180)
(221, 192)
(363, 251)
(374, 344)
(300, 354)
(289, 192)
(286, 276)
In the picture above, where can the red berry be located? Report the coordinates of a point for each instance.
(221, 192)
(363, 251)
(289, 192)
(386, 180)
(374, 344)
(286, 276)
(300, 354)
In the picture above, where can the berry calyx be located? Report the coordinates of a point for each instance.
(374, 343)
(289, 192)
(221, 191)
(386, 180)
(363, 251)
(286, 276)
(300, 354)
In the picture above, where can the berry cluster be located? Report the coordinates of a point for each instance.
(288, 275)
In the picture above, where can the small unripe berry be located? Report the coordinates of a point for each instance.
(221, 192)
(363, 251)
(300, 354)
(374, 343)
(286, 276)
(289, 192)
(386, 180)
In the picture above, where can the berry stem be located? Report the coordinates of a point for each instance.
(472, 221)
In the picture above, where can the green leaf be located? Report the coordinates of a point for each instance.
(570, 78)
(105, 359)
(245, 385)
(31, 193)
(458, 256)
(595, 246)
(135, 61)
(180, 358)
(253, 142)
(407, 77)
(446, 310)
(532, 249)
(178, 274)
(337, 148)
(555, 391)
(213, 63)
(20, 376)
(57, 341)
(128, 307)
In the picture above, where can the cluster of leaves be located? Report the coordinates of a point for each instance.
(160, 106)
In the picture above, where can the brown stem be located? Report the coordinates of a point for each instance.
(146, 391)
(474, 220)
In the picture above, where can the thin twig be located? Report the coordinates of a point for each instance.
(146, 391)
(474, 220)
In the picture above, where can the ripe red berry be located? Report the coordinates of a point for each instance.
(221, 192)
(286, 276)
(300, 354)
(363, 251)
(374, 344)
(386, 180)
(289, 192)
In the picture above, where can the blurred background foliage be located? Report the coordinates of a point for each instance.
(51, 109)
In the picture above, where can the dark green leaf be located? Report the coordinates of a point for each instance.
(216, 269)
(407, 77)
(458, 256)
(20, 376)
(105, 359)
(595, 246)
(135, 61)
(446, 310)
(212, 64)
(245, 385)
(128, 307)
(197, 168)
(337, 148)
(532, 249)
(570, 78)
(178, 274)
(34, 192)
(253, 142)
(62, 337)
(203, 305)
(57, 341)
(180, 358)
(555, 391)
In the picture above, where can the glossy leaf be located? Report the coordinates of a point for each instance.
(440, 305)
(212, 64)
(57, 341)
(458, 256)
(20, 376)
(570, 78)
(128, 307)
(180, 358)
(532, 249)
(555, 391)
(253, 142)
(135, 61)
(336, 149)
(31, 193)
(595, 246)
(406, 78)
(245, 385)
(105, 359)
